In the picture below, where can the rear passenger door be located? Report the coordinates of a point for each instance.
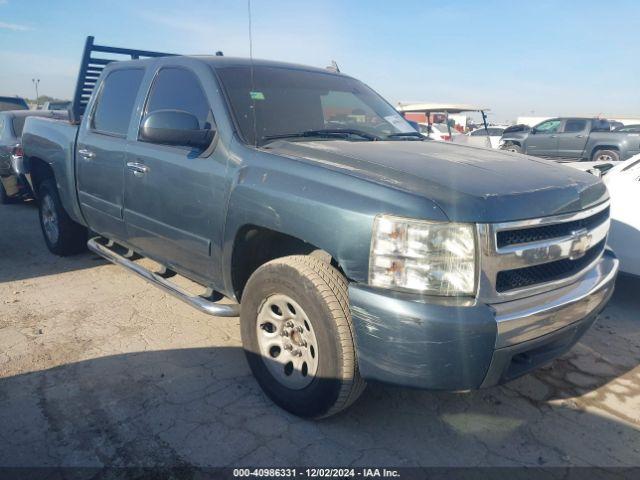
(174, 210)
(573, 138)
(542, 141)
(101, 152)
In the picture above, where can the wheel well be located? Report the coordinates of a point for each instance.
(254, 246)
(604, 147)
(40, 170)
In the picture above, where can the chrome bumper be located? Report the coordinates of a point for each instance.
(532, 317)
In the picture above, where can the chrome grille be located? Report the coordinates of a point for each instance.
(547, 272)
(531, 256)
(535, 234)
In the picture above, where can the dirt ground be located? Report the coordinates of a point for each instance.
(97, 368)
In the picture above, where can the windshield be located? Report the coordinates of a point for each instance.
(287, 101)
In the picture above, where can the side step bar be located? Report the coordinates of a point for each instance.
(198, 302)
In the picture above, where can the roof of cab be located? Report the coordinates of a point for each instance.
(222, 62)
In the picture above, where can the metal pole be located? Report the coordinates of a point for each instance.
(448, 125)
(36, 81)
(486, 130)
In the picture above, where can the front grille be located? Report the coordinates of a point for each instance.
(534, 234)
(547, 272)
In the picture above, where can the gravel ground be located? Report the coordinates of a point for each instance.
(97, 368)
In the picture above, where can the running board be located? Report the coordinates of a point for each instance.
(198, 302)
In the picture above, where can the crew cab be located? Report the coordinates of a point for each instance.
(572, 139)
(352, 248)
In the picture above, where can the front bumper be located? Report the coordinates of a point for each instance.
(460, 344)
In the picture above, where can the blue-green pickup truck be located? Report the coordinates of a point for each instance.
(352, 248)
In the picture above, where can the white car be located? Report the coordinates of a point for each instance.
(623, 182)
(439, 132)
(493, 132)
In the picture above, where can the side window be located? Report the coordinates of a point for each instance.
(480, 132)
(117, 98)
(550, 126)
(179, 89)
(574, 125)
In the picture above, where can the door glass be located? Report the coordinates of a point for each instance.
(574, 125)
(179, 89)
(550, 126)
(117, 98)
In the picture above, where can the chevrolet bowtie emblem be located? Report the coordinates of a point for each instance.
(581, 241)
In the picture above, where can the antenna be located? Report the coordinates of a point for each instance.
(253, 101)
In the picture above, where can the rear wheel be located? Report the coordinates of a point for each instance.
(605, 156)
(297, 335)
(62, 235)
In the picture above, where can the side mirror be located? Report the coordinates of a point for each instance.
(533, 131)
(175, 127)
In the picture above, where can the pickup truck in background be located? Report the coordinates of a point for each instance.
(13, 103)
(352, 248)
(573, 139)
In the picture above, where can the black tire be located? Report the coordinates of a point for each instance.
(4, 198)
(511, 147)
(321, 291)
(71, 237)
(605, 156)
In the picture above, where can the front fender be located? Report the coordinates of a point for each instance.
(329, 209)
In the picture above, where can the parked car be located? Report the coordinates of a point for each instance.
(623, 182)
(438, 131)
(628, 129)
(574, 139)
(13, 103)
(358, 253)
(63, 105)
(494, 133)
(13, 183)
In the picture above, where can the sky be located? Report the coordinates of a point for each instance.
(518, 58)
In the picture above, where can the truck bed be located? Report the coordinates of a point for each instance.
(53, 142)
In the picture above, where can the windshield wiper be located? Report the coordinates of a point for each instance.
(416, 135)
(327, 132)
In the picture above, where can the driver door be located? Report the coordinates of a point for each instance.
(174, 195)
(542, 141)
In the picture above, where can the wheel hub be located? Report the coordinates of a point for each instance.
(50, 219)
(288, 344)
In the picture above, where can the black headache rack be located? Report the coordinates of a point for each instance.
(91, 68)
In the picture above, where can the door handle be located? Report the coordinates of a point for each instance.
(138, 169)
(84, 153)
(553, 136)
(579, 136)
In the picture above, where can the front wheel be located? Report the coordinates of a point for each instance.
(62, 235)
(4, 198)
(511, 147)
(297, 336)
(605, 156)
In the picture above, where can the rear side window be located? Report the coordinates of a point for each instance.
(18, 125)
(574, 125)
(179, 89)
(117, 98)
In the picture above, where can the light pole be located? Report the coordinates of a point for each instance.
(36, 81)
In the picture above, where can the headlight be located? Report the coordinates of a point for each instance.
(435, 258)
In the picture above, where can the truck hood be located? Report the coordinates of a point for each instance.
(469, 184)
